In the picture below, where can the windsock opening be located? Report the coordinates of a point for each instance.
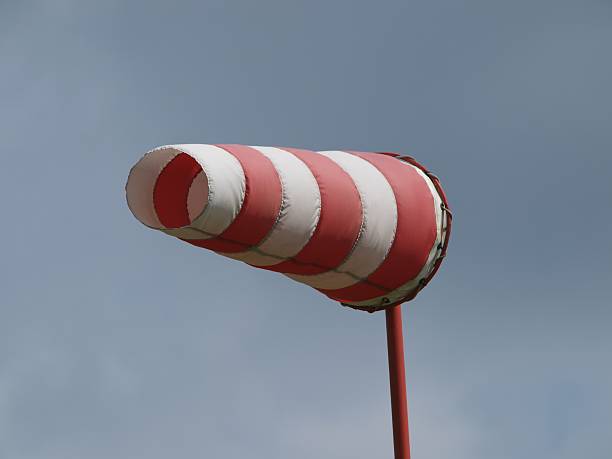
(167, 189)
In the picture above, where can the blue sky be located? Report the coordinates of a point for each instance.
(117, 341)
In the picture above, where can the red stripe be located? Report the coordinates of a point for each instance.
(339, 221)
(171, 190)
(415, 235)
(260, 208)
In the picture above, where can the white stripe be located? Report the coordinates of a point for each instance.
(141, 182)
(226, 189)
(298, 216)
(378, 228)
(434, 253)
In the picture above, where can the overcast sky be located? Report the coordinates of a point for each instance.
(120, 342)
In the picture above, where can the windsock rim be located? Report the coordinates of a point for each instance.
(138, 200)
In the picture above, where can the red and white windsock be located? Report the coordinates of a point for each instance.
(366, 229)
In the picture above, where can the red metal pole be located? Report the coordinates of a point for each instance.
(397, 379)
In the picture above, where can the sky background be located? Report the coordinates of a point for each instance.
(118, 341)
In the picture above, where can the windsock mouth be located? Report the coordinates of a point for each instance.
(167, 189)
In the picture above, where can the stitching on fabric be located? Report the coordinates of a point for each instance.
(336, 270)
(319, 207)
(281, 259)
(280, 210)
(447, 223)
(440, 252)
(438, 255)
(361, 227)
(247, 185)
(409, 295)
(393, 236)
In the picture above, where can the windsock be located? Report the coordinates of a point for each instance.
(366, 229)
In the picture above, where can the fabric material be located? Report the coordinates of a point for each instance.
(339, 221)
(378, 227)
(141, 183)
(366, 229)
(171, 192)
(298, 216)
(260, 208)
(415, 232)
(412, 284)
